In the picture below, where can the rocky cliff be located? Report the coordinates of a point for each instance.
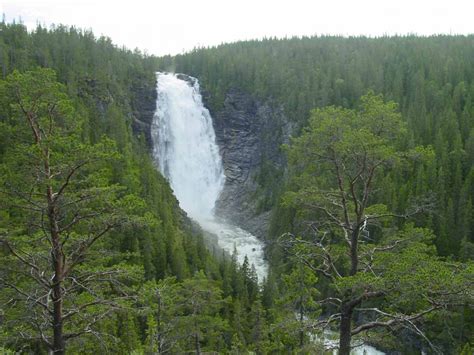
(249, 133)
(143, 104)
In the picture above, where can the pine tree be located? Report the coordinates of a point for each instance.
(336, 164)
(60, 208)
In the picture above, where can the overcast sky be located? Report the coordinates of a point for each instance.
(173, 26)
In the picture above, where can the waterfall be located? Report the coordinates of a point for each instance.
(185, 146)
(185, 149)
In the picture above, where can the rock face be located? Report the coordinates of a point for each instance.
(249, 133)
(143, 104)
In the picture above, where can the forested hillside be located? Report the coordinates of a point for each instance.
(95, 254)
(372, 231)
(431, 79)
(382, 170)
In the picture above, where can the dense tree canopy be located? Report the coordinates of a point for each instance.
(74, 255)
(336, 165)
(431, 78)
(60, 204)
(432, 81)
(376, 216)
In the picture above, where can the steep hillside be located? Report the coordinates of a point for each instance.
(337, 96)
(431, 78)
(98, 102)
(97, 256)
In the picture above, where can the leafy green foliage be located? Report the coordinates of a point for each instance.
(106, 89)
(374, 270)
(91, 102)
(60, 204)
(431, 78)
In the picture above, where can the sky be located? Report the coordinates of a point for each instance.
(163, 27)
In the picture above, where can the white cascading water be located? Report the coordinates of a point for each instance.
(185, 147)
(187, 155)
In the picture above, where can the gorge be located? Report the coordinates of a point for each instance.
(184, 146)
(261, 146)
(186, 151)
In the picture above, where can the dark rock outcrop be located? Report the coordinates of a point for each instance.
(143, 108)
(249, 132)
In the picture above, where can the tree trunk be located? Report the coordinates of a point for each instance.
(57, 298)
(158, 325)
(353, 251)
(345, 330)
(345, 333)
(59, 344)
(301, 323)
(197, 344)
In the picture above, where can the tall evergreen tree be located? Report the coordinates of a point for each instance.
(60, 206)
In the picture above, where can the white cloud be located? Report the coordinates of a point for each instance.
(171, 26)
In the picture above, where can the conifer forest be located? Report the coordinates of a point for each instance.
(361, 193)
